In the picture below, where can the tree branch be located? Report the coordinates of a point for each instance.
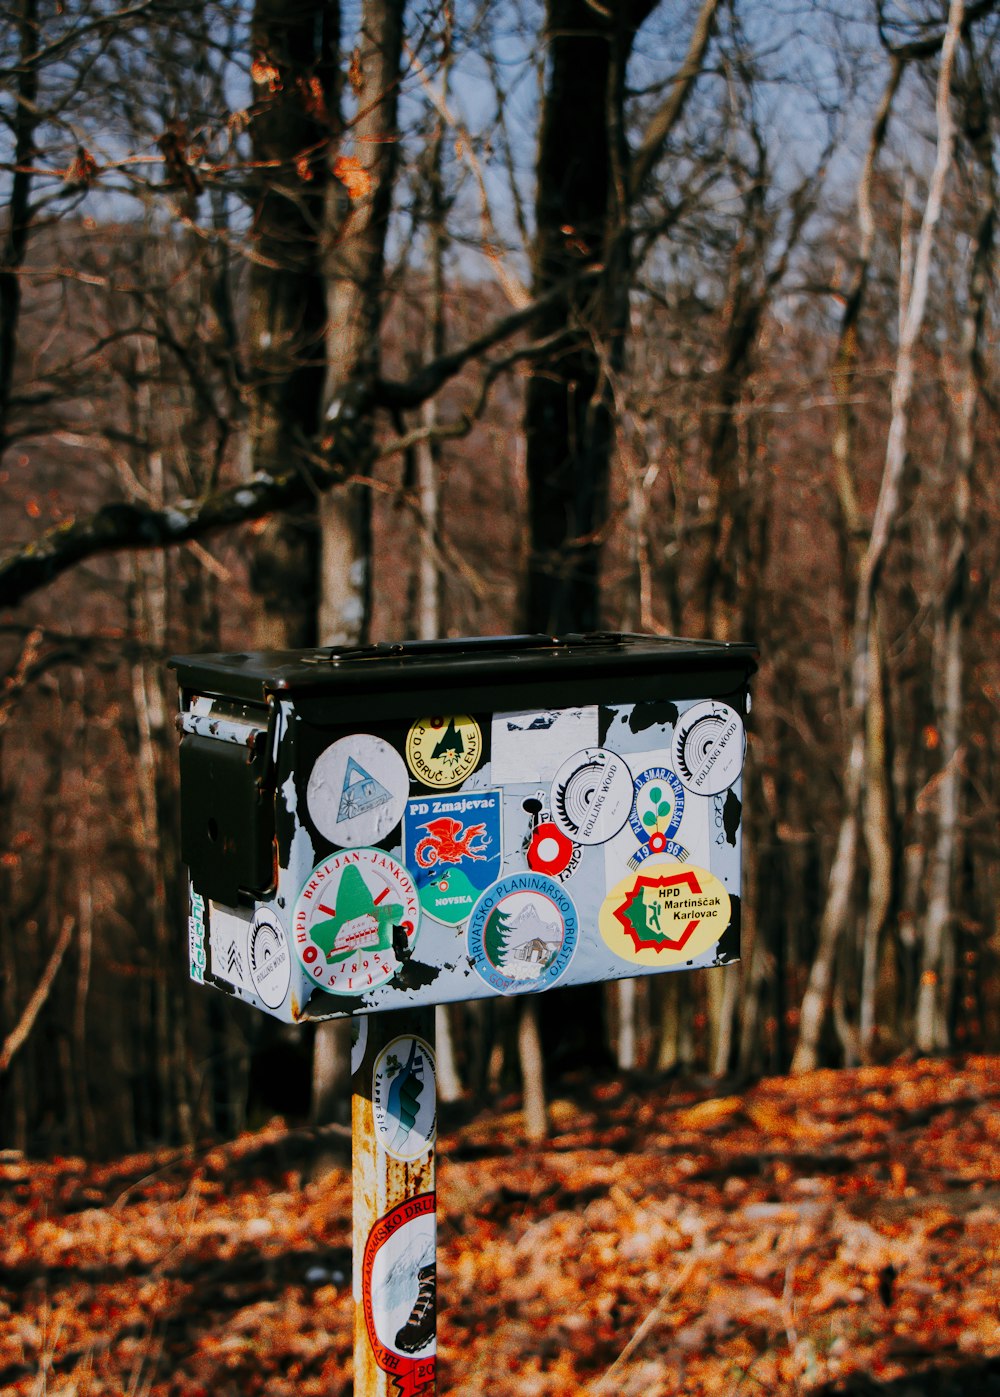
(19, 1034)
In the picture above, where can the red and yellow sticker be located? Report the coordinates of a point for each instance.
(664, 914)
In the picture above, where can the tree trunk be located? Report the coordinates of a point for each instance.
(948, 662)
(359, 200)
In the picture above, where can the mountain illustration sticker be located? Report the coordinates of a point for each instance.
(522, 933)
(357, 790)
(349, 917)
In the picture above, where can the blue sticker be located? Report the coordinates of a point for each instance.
(656, 810)
(522, 933)
(453, 847)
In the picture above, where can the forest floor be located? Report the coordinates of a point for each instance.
(836, 1233)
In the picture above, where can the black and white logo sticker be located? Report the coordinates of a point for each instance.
(709, 745)
(269, 958)
(592, 795)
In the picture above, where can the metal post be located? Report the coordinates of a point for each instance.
(394, 1124)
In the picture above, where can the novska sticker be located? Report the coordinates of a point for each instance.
(357, 790)
(453, 845)
(444, 751)
(268, 958)
(708, 747)
(592, 795)
(348, 916)
(522, 933)
(399, 1293)
(664, 913)
(404, 1098)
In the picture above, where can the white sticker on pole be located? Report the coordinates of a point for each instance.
(357, 791)
(708, 748)
(404, 1098)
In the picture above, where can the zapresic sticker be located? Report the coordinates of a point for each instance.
(522, 933)
(708, 747)
(347, 918)
(268, 958)
(357, 790)
(664, 914)
(592, 795)
(404, 1098)
(442, 752)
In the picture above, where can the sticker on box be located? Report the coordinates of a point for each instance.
(592, 795)
(708, 747)
(268, 958)
(355, 920)
(532, 746)
(227, 932)
(357, 791)
(453, 846)
(442, 752)
(664, 914)
(523, 933)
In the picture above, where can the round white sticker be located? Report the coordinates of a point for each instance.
(357, 791)
(592, 795)
(709, 744)
(269, 958)
(404, 1098)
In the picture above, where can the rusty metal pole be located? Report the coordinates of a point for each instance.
(394, 1125)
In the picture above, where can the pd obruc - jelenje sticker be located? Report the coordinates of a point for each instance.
(443, 751)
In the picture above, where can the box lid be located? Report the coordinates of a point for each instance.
(256, 675)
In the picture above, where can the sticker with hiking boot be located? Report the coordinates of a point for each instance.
(404, 1098)
(357, 790)
(399, 1293)
(355, 920)
(444, 751)
(523, 933)
(592, 795)
(452, 845)
(708, 748)
(664, 914)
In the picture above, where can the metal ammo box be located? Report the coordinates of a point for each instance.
(407, 824)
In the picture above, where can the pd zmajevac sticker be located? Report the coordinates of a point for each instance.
(664, 914)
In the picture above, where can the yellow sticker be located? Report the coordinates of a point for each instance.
(664, 913)
(442, 752)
